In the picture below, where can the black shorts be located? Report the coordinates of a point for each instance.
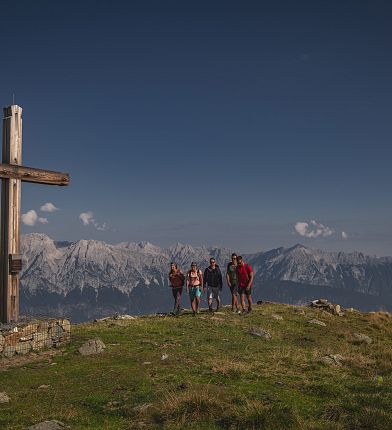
(176, 291)
(234, 289)
(243, 290)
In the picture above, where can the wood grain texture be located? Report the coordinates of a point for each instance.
(10, 214)
(30, 174)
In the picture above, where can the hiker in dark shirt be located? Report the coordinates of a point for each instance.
(232, 282)
(213, 280)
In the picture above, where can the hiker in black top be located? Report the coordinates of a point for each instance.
(232, 282)
(213, 280)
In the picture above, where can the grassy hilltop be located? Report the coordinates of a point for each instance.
(216, 375)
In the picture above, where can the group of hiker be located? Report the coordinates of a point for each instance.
(239, 278)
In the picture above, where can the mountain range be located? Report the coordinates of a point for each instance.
(89, 279)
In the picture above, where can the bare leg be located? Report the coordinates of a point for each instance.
(249, 297)
(243, 302)
(197, 304)
(218, 303)
(209, 303)
(178, 301)
(235, 302)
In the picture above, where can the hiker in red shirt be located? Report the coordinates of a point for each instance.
(245, 279)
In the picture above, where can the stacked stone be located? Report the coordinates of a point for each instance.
(34, 335)
(326, 306)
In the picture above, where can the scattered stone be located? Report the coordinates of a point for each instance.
(4, 397)
(351, 310)
(92, 346)
(48, 425)
(164, 357)
(325, 305)
(258, 331)
(112, 406)
(141, 408)
(332, 359)
(277, 317)
(317, 322)
(146, 363)
(326, 314)
(43, 387)
(299, 311)
(259, 302)
(363, 338)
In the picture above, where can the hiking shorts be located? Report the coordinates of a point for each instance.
(234, 289)
(194, 292)
(212, 293)
(177, 291)
(243, 290)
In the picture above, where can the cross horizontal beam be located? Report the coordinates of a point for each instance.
(30, 174)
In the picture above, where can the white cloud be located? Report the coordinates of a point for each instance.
(344, 235)
(87, 218)
(43, 220)
(49, 207)
(312, 229)
(30, 217)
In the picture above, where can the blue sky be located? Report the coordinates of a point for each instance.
(216, 123)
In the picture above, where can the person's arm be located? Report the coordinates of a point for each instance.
(250, 280)
(187, 282)
(205, 276)
(202, 281)
(228, 276)
(220, 280)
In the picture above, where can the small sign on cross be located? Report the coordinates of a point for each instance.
(12, 174)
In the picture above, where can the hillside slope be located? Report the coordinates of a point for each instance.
(208, 372)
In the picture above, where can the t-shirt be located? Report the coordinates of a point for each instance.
(243, 274)
(232, 272)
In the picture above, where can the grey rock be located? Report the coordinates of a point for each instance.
(317, 322)
(4, 397)
(363, 338)
(48, 425)
(92, 346)
(56, 332)
(41, 336)
(164, 357)
(23, 348)
(277, 317)
(141, 408)
(258, 331)
(332, 359)
(9, 351)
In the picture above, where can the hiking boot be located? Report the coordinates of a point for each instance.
(210, 309)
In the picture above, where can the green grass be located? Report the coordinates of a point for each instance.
(217, 376)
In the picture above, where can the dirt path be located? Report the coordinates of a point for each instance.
(21, 360)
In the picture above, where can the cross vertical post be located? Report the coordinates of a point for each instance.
(10, 215)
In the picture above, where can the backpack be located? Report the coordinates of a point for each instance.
(199, 274)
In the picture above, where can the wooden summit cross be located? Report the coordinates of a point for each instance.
(12, 174)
